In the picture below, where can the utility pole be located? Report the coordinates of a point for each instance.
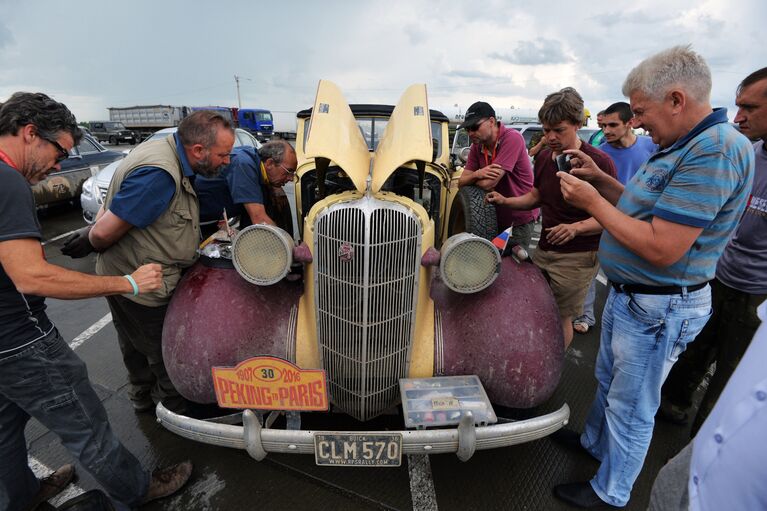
(237, 81)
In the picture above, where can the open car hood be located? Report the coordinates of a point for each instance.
(334, 135)
(407, 136)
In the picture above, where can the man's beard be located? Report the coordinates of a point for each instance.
(37, 172)
(204, 168)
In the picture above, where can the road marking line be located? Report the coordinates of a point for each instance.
(42, 470)
(58, 237)
(90, 331)
(421, 483)
(602, 279)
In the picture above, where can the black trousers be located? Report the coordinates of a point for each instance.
(139, 333)
(723, 340)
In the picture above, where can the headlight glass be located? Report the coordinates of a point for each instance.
(88, 187)
(469, 263)
(262, 254)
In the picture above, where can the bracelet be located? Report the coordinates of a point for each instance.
(132, 283)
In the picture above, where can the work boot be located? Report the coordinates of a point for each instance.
(167, 481)
(143, 405)
(570, 439)
(580, 495)
(672, 413)
(53, 484)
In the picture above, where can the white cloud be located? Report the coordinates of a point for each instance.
(187, 53)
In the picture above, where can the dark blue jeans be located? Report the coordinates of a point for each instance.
(50, 383)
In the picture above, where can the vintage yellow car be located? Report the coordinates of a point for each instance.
(398, 309)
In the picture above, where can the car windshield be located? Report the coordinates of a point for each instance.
(264, 116)
(372, 129)
(115, 125)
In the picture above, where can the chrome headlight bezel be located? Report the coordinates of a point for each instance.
(88, 186)
(469, 263)
(262, 254)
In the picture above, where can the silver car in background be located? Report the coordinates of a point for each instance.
(95, 188)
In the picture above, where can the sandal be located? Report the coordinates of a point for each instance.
(581, 327)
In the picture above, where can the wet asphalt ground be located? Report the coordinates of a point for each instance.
(513, 478)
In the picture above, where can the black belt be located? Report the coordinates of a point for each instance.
(642, 289)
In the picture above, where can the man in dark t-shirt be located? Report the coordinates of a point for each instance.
(567, 254)
(40, 375)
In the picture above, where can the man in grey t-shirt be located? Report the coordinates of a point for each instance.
(740, 284)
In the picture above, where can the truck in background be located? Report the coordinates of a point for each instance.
(229, 113)
(147, 119)
(257, 121)
(284, 124)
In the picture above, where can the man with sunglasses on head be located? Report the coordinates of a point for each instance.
(498, 161)
(247, 186)
(40, 375)
(151, 213)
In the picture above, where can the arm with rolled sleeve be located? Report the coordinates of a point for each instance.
(143, 196)
(244, 181)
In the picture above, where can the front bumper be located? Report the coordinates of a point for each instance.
(463, 440)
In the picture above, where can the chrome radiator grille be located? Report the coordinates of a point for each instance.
(367, 259)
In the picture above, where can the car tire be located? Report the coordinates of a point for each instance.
(470, 213)
(113, 141)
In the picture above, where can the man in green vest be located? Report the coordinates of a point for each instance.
(151, 214)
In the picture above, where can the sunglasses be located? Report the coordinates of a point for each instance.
(63, 153)
(476, 126)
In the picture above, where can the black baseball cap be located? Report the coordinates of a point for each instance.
(476, 112)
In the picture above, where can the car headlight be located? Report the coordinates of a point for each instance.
(468, 263)
(262, 254)
(88, 187)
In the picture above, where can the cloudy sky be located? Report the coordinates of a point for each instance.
(96, 54)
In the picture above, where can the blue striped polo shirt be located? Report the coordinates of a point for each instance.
(702, 180)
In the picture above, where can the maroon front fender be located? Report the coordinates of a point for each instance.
(216, 318)
(509, 335)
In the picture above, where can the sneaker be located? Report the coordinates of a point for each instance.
(53, 484)
(167, 481)
(580, 327)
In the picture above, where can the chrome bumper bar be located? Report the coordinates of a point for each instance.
(463, 440)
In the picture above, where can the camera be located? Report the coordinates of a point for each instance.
(563, 163)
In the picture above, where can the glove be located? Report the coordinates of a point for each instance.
(78, 245)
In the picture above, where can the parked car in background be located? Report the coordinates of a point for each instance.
(112, 132)
(585, 134)
(95, 187)
(85, 160)
(531, 132)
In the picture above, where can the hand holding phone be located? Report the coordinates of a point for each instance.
(563, 163)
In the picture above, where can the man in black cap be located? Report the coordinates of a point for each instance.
(498, 161)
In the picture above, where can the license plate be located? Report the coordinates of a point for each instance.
(358, 450)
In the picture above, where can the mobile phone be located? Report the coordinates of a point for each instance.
(563, 163)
